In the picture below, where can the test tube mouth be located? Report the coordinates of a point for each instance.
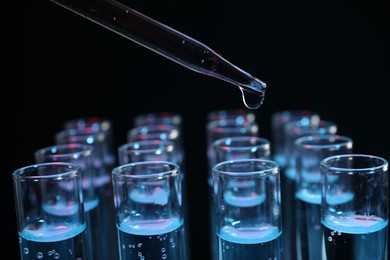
(242, 143)
(49, 171)
(65, 150)
(146, 146)
(246, 167)
(146, 170)
(324, 141)
(362, 163)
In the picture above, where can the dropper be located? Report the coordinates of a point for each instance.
(168, 42)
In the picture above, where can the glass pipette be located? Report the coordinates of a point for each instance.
(168, 42)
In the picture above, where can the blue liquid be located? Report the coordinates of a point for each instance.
(308, 226)
(162, 239)
(53, 242)
(250, 243)
(107, 218)
(213, 223)
(308, 217)
(244, 201)
(95, 244)
(288, 216)
(356, 237)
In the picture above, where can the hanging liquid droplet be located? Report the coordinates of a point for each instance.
(251, 99)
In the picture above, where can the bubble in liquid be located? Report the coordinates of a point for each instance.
(164, 256)
(330, 239)
(56, 256)
(26, 251)
(39, 255)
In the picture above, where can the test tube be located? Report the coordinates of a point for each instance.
(50, 211)
(248, 210)
(310, 150)
(102, 179)
(292, 131)
(149, 214)
(234, 148)
(97, 124)
(355, 207)
(118, 17)
(159, 132)
(278, 120)
(81, 154)
(223, 128)
(215, 130)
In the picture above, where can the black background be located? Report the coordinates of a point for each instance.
(326, 56)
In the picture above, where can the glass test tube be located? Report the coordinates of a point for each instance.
(50, 211)
(81, 154)
(223, 128)
(97, 124)
(310, 150)
(292, 131)
(248, 210)
(234, 148)
(170, 43)
(278, 120)
(159, 132)
(355, 207)
(102, 179)
(175, 153)
(215, 130)
(149, 211)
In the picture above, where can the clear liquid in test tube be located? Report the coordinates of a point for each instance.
(168, 42)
